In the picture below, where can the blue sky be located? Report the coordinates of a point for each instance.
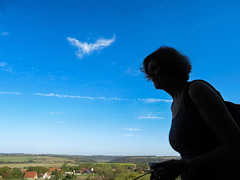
(70, 80)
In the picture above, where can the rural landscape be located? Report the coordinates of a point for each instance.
(49, 166)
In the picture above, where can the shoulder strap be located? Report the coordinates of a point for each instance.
(187, 101)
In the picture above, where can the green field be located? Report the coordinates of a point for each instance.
(24, 161)
(32, 158)
(21, 161)
(22, 165)
(48, 160)
(123, 164)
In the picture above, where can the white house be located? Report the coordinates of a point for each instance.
(46, 176)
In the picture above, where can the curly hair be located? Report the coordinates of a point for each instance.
(174, 63)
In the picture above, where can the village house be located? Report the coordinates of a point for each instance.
(47, 175)
(54, 169)
(23, 170)
(31, 175)
(85, 171)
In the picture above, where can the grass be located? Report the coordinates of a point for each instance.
(46, 161)
(22, 165)
(34, 158)
(14, 159)
(25, 161)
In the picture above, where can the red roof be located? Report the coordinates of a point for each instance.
(54, 169)
(30, 174)
(83, 169)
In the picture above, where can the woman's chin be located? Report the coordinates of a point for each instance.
(157, 86)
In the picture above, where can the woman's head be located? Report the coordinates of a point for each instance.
(169, 63)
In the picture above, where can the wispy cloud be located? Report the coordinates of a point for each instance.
(88, 48)
(150, 117)
(77, 97)
(14, 93)
(5, 66)
(113, 63)
(128, 135)
(56, 113)
(132, 72)
(4, 33)
(149, 100)
(131, 129)
(152, 100)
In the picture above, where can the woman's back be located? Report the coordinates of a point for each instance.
(191, 136)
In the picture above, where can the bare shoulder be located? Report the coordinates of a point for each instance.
(199, 90)
(205, 97)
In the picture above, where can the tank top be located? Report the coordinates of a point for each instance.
(191, 136)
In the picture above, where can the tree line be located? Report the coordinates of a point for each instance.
(102, 171)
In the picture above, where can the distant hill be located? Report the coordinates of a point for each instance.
(93, 158)
(142, 159)
(101, 158)
(68, 158)
(12, 158)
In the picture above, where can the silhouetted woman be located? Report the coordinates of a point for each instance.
(202, 130)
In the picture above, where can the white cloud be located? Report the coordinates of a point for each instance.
(132, 129)
(150, 117)
(15, 93)
(88, 48)
(128, 135)
(4, 33)
(152, 100)
(149, 100)
(77, 97)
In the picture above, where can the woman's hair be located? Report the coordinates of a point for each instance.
(171, 61)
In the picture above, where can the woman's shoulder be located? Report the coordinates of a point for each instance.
(200, 86)
(193, 87)
(202, 90)
(199, 82)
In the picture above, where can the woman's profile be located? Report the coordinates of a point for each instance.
(202, 130)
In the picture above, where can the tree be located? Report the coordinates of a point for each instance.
(65, 167)
(105, 172)
(70, 176)
(142, 166)
(120, 169)
(132, 175)
(16, 174)
(56, 175)
(39, 169)
(5, 172)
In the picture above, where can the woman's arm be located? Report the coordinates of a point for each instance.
(214, 112)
